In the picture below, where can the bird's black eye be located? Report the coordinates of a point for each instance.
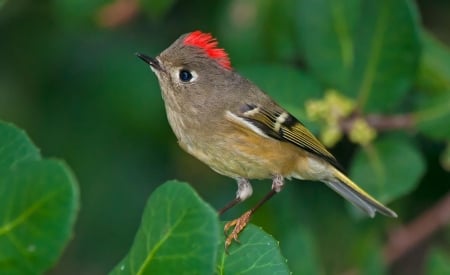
(185, 75)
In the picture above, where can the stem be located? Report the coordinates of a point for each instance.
(382, 122)
(406, 238)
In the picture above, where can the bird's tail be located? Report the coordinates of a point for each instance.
(349, 190)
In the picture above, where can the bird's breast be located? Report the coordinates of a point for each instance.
(238, 152)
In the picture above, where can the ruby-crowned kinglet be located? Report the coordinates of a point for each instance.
(227, 122)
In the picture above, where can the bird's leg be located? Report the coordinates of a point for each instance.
(244, 191)
(240, 223)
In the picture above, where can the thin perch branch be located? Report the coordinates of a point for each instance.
(408, 237)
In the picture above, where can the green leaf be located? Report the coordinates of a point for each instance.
(434, 69)
(389, 169)
(15, 146)
(326, 30)
(438, 262)
(257, 253)
(433, 115)
(351, 45)
(386, 54)
(38, 205)
(178, 235)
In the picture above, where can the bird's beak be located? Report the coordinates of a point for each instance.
(153, 62)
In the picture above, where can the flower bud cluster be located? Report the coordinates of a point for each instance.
(330, 111)
(361, 132)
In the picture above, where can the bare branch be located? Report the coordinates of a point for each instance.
(409, 236)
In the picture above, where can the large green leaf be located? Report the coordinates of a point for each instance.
(178, 235)
(326, 31)
(389, 169)
(38, 205)
(257, 253)
(386, 54)
(351, 45)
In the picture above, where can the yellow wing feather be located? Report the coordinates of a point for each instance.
(283, 126)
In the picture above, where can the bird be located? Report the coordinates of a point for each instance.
(239, 131)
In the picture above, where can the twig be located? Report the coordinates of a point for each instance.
(382, 122)
(408, 237)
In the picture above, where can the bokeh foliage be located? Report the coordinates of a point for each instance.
(68, 76)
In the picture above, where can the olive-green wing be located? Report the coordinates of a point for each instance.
(285, 127)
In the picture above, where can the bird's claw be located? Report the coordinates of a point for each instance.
(239, 224)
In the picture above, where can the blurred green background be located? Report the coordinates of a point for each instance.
(69, 77)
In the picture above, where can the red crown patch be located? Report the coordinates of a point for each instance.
(209, 44)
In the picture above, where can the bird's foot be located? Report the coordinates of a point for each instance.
(239, 224)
